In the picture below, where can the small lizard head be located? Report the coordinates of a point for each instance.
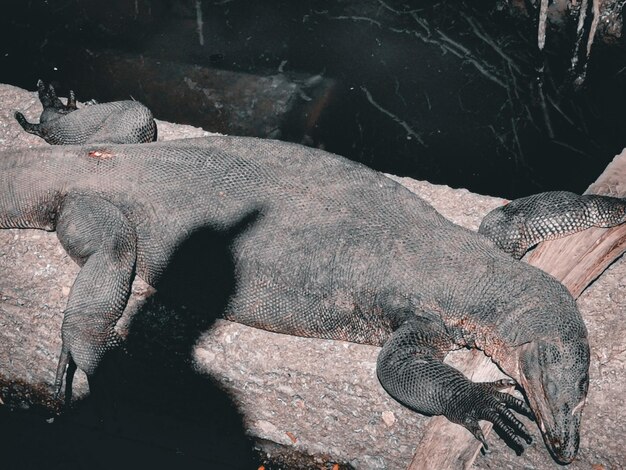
(555, 376)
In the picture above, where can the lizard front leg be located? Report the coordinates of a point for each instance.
(97, 235)
(410, 367)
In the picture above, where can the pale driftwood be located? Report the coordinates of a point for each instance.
(576, 261)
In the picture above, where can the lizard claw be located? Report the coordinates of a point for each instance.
(19, 117)
(65, 369)
(64, 360)
(484, 401)
(474, 428)
(508, 399)
(501, 384)
(71, 101)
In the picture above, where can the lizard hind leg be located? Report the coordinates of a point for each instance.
(98, 236)
(53, 108)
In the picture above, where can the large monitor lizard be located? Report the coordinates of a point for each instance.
(320, 247)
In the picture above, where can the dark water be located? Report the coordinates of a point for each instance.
(444, 92)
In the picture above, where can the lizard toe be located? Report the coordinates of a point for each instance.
(515, 404)
(483, 401)
(472, 426)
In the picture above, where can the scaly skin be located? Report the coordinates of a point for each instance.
(319, 247)
(522, 223)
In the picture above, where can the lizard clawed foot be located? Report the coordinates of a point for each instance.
(48, 96)
(88, 353)
(485, 401)
(52, 108)
(19, 117)
(52, 103)
(29, 127)
(66, 368)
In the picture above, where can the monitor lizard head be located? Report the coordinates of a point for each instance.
(554, 373)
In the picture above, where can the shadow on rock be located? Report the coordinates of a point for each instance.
(141, 417)
(148, 407)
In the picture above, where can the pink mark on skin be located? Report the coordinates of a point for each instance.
(100, 154)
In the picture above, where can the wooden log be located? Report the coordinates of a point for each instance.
(576, 261)
(225, 101)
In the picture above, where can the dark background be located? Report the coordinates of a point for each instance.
(446, 91)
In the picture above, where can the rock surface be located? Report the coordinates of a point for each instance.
(309, 396)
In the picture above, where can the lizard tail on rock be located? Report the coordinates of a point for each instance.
(523, 223)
